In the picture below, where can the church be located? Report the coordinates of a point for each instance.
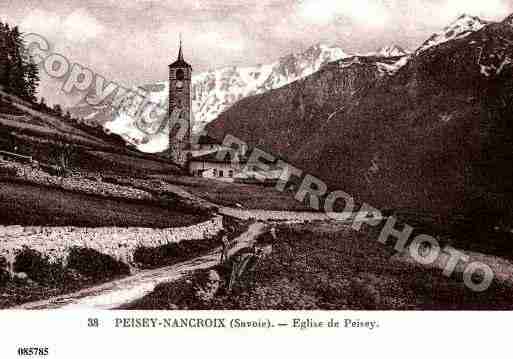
(184, 145)
(180, 105)
(198, 154)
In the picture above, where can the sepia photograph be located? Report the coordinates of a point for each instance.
(270, 155)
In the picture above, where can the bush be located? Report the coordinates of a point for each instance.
(175, 295)
(39, 268)
(172, 252)
(4, 273)
(364, 295)
(194, 291)
(95, 265)
(8, 172)
(280, 294)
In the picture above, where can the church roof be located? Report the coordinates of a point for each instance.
(228, 158)
(180, 62)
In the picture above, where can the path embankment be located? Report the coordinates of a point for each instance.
(122, 292)
(119, 243)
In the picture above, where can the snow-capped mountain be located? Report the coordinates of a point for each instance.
(213, 92)
(425, 131)
(391, 51)
(462, 27)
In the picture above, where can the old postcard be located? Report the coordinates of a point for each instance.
(208, 169)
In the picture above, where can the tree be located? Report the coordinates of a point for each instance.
(32, 81)
(17, 84)
(57, 109)
(19, 75)
(4, 56)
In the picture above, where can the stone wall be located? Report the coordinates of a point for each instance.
(120, 243)
(76, 182)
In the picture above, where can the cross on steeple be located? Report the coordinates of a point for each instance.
(180, 62)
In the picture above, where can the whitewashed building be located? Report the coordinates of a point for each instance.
(217, 165)
(231, 166)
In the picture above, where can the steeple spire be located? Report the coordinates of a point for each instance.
(180, 53)
(180, 62)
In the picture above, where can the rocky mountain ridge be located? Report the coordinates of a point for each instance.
(431, 131)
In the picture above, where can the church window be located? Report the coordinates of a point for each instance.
(180, 75)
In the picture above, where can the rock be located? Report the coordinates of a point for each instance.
(12, 230)
(22, 276)
(264, 251)
(207, 286)
(31, 283)
(213, 276)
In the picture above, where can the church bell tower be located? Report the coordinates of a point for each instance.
(180, 73)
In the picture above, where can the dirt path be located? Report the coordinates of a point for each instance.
(124, 291)
(267, 215)
(246, 214)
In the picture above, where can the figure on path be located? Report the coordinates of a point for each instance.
(226, 246)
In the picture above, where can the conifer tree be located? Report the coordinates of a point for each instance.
(18, 73)
(32, 80)
(4, 56)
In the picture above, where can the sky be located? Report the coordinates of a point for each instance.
(132, 41)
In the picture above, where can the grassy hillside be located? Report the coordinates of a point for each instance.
(63, 185)
(29, 205)
(42, 135)
(329, 267)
